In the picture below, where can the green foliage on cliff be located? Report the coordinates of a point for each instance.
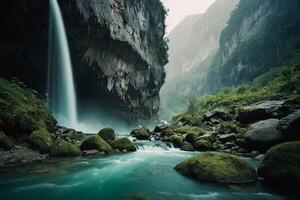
(278, 83)
(21, 111)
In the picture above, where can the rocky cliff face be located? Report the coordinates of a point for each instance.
(117, 48)
(259, 36)
(193, 43)
(118, 52)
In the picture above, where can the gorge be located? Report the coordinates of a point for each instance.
(97, 101)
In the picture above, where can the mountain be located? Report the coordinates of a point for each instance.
(260, 35)
(192, 43)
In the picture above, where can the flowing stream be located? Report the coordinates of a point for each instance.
(61, 91)
(146, 174)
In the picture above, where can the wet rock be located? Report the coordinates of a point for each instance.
(123, 144)
(107, 134)
(161, 127)
(95, 142)
(176, 140)
(262, 135)
(5, 142)
(141, 133)
(93, 153)
(203, 145)
(281, 165)
(226, 137)
(61, 148)
(216, 116)
(187, 147)
(290, 125)
(41, 139)
(261, 111)
(20, 156)
(217, 167)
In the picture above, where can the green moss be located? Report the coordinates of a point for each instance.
(123, 144)
(41, 139)
(218, 167)
(5, 142)
(187, 147)
(141, 133)
(189, 129)
(281, 165)
(107, 134)
(21, 111)
(95, 142)
(61, 148)
(167, 132)
(203, 145)
(176, 140)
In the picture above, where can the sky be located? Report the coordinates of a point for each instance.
(179, 9)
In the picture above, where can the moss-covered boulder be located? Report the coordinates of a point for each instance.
(41, 139)
(176, 140)
(61, 148)
(187, 147)
(123, 144)
(5, 142)
(141, 133)
(281, 165)
(203, 145)
(22, 112)
(167, 132)
(107, 134)
(218, 167)
(95, 142)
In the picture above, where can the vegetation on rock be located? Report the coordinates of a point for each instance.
(123, 144)
(95, 142)
(41, 139)
(281, 165)
(218, 167)
(5, 142)
(61, 148)
(22, 111)
(141, 133)
(107, 134)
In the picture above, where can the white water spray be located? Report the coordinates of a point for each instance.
(61, 91)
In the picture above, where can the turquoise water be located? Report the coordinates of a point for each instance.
(145, 174)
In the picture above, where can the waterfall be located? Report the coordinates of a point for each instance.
(61, 91)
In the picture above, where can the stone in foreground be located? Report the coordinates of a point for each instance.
(141, 133)
(95, 142)
(123, 144)
(61, 148)
(217, 167)
(281, 165)
(41, 139)
(107, 134)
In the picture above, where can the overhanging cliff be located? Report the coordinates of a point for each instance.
(118, 52)
(117, 48)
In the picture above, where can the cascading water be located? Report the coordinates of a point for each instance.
(61, 91)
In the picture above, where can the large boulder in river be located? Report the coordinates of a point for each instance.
(176, 140)
(217, 167)
(42, 140)
(263, 134)
(5, 142)
(95, 142)
(281, 165)
(261, 111)
(107, 134)
(61, 148)
(290, 125)
(141, 133)
(123, 144)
